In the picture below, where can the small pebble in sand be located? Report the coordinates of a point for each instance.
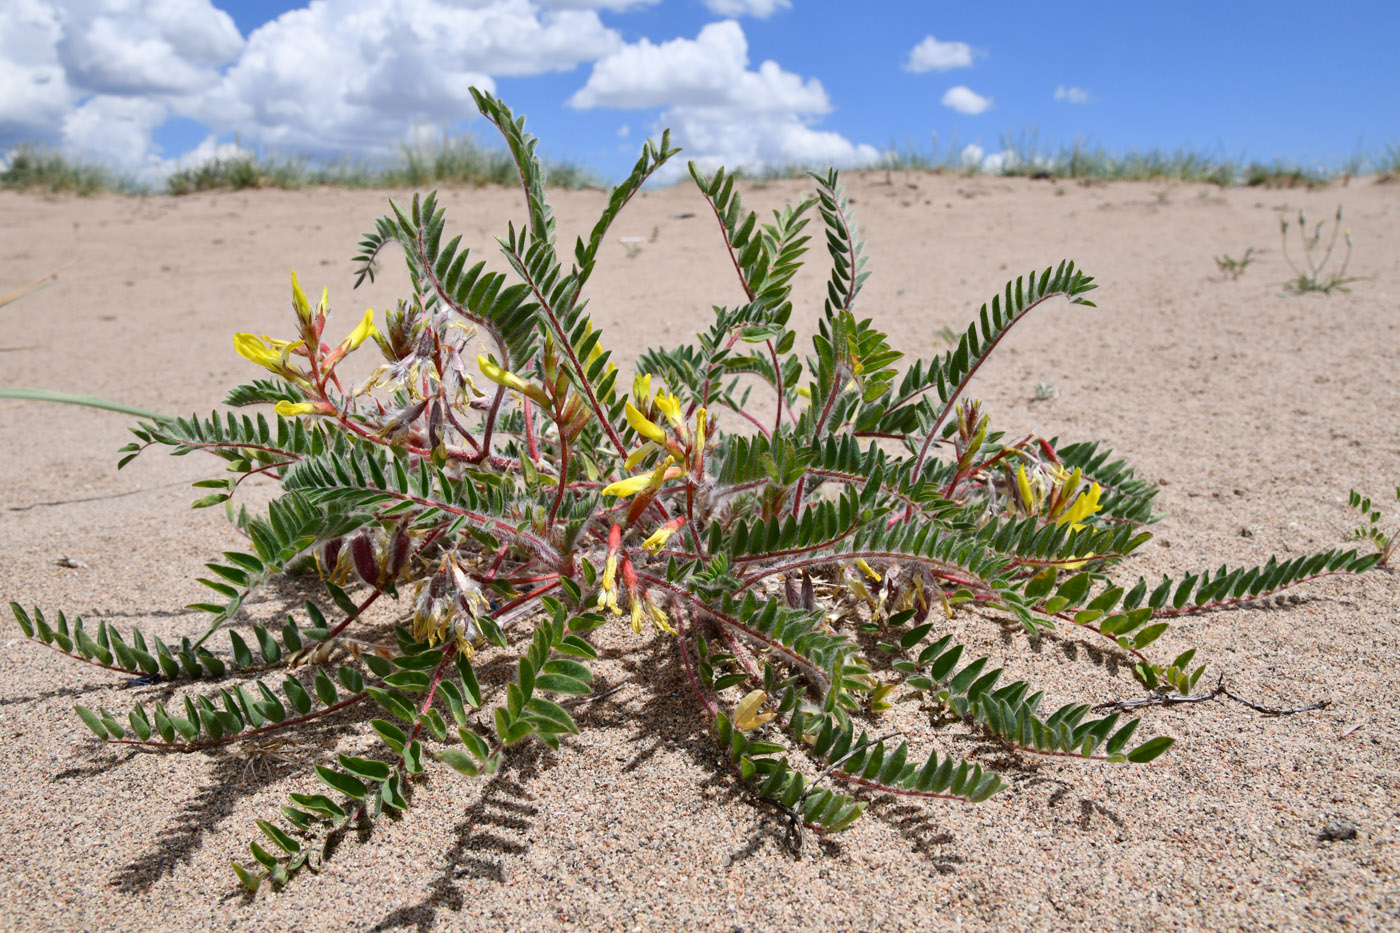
(1338, 831)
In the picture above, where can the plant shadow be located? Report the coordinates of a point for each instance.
(238, 771)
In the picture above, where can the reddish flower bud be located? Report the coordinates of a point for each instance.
(365, 563)
(398, 553)
(330, 553)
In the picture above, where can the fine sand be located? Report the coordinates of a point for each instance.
(1255, 409)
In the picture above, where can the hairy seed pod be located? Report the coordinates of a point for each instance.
(362, 550)
(330, 553)
(790, 591)
(398, 554)
(435, 425)
(809, 596)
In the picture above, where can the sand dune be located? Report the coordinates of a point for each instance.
(1256, 410)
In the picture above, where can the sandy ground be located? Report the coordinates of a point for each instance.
(1256, 410)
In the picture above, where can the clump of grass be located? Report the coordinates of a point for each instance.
(1027, 157)
(463, 160)
(1279, 174)
(30, 166)
(449, 160)
(1387, 161)
(238, 173)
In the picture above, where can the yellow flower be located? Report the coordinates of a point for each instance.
(1023, 486)
(748, 715)
(362, 333)
(267, 352)
(299, 302)
(291, 409)
(643, 426)
(627, 487)
(1084, 506)
(658, 618)
(670, 406)
(635, 484)
(641, 386)
(663, 534)
(253, 349)
(510, 380)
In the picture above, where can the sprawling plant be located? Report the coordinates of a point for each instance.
(522, 497)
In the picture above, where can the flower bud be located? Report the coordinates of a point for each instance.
(362, 551)
(398, 553)
(330, 553)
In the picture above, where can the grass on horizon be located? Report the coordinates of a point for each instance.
(449, 160)
(463, 160)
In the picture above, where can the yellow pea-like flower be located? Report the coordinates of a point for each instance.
(267, 352)
(510, 380)
(299, 302)
(658, 618)
(644, 426)
(253, 349)
(635, 484)
(1087, 504)
(670, 406)
(660, 536)
(627, 487)
(361, 333)
(1023, 486)
(292, 409)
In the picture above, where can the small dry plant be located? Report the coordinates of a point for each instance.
(1232, 268)
(1313, 275)
(519, 498)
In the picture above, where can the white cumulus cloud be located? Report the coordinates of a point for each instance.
(357, 75)
(720, 110)
(615, 6)
(762, 9)
(997, 162)
(1072, 95)
(97, 77)
(114, 129)
(100, 77)
(933, 55)
(965, 100)
(159, 46)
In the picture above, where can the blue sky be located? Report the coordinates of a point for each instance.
(148, 85)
